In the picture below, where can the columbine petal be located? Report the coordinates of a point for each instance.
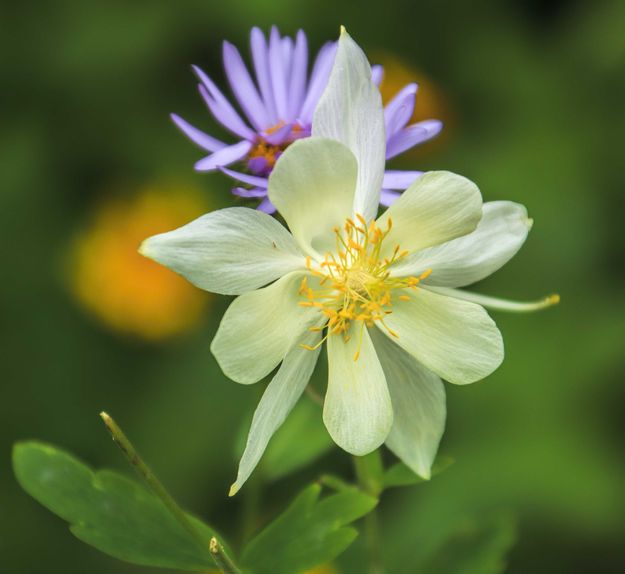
(455, 339)
(357, 409)
(229, 251)
(499, 235)
(418, 398)
(411, 136)
(438, 207)
(244, 88)
(276, 403)
(350, 111)
(198, 137)
(497, 303)
(224, 156)
(260, 327)
(312, 186)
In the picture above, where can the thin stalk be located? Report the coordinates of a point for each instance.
(221, 558)
(160, 491)
(369, 470)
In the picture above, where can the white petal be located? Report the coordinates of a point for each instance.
(497, 303)
(357, 410)
(276, 403)
(438, 207)
(229, 251)
(350, 111)
(499, 235)
(312, 186)
(418, 397)
(455, 339)
(260, 327)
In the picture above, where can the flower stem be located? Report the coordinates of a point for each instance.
(221, 558)
(369, 473)
(161, 492)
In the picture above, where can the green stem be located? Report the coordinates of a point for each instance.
(369, 473)
(221, 558)
(159, 490)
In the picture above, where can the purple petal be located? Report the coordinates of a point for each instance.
(198, 137)
(276, 73)
(287, 54)
(221, 108)
(377, 74)
(277, 137)
(260, 57)
(256, 192)
(266, 206)
(388, 197)
(258, 165)
(245, 178)
(399, 179)
(399, 110)
(224, 156)
(299, 70)
(318, 80)
(412, 136)
(244, 88)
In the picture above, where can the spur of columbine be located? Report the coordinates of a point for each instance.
(278, 107)
(382, 294)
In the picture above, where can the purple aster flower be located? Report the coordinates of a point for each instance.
(278, 106)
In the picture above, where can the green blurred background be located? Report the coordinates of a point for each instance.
(532, 95)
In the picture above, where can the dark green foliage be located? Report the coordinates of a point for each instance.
(105, 509)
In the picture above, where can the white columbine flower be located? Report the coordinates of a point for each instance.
(381, 293)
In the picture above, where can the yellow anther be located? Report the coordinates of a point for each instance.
(354, 283)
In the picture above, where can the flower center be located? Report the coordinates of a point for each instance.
(262, 158)
(355, 284)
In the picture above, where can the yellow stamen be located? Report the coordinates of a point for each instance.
(355, 284)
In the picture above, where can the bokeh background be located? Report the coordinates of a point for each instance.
(532, 97)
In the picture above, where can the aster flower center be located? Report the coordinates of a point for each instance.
(355, 284)
(266, 150)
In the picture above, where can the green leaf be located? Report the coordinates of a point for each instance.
(475, 547)
(400, 475)
(287, 452)
(115, 514)
(309, 533)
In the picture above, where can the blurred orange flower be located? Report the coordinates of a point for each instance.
(127, 292)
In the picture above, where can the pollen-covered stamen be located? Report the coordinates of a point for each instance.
(354, 282)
